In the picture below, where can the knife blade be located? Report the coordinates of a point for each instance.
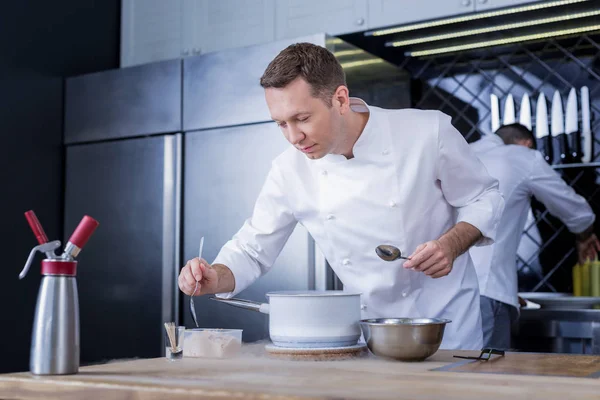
(571, 126)
(544, 140)
(586, 126)
(509, 111)
(525, 112)
(495, 106)
(557, 129)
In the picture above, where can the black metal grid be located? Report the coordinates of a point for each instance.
(460, 85)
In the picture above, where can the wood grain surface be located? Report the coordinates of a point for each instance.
(583, 366)
(253, 375)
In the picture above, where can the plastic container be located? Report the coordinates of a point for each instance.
(212, 343)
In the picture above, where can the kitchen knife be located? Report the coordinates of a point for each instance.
(586, 126)
(495, 106)
(525, 112)
(544, 140)
(557, 129)
(571, 126)
(509, 111)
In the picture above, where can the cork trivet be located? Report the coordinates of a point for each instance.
(317, 354)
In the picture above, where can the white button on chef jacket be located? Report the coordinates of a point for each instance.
(522, 173)
(435, 180)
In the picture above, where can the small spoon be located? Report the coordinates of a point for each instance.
(389, 253)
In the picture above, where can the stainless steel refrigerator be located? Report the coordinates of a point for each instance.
(123, 167)
(126, 274)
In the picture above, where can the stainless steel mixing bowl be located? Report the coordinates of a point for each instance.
(405, 339)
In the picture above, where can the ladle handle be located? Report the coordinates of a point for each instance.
(247, 304)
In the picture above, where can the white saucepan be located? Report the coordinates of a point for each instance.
(309, 318)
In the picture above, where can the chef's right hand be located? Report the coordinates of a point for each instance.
(198, 270)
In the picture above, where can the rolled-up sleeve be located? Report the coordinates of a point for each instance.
(255, 247)
(466, 184)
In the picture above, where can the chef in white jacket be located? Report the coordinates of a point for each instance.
(358, 176)
(522, 173)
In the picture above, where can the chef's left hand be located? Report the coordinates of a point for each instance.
(434, 258)
(587, 250)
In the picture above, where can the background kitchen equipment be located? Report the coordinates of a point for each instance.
(55, 336)
(557, 130)
(564, 144)
(572, 127)
(544, 140)
(308, 318)
(567, 302)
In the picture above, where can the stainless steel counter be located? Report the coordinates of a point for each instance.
(559, 331)
(561, 315)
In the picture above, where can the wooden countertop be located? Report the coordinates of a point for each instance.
(252, 375)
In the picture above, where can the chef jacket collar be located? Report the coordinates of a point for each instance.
(493, 139)
(367, 141)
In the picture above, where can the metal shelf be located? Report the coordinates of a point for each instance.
(578, 165)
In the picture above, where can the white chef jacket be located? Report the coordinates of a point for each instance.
(413, 176)
(522, 173)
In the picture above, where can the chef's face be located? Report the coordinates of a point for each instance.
(307, 122)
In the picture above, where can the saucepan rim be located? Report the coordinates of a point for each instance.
(404, 321)
(311, 293)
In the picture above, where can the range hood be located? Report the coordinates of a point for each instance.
(527, 23)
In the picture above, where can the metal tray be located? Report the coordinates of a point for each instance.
(561, 301)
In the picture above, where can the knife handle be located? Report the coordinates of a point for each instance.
(575, 146)
(561, 149)
(544, 145)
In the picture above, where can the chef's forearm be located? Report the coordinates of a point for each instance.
(225, 278)
(460, 238)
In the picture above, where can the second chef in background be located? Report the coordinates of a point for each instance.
(522, 173)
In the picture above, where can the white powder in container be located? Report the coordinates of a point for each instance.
(211, 343)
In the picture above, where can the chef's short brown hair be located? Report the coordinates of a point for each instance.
(315, 64)
(513, 133)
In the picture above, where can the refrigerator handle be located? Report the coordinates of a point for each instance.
(171, 243)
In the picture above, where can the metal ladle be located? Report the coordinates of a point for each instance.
(389, 253)
(192, 306)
